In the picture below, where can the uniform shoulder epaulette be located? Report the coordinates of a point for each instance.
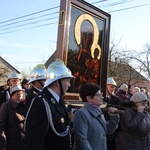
(35, 92)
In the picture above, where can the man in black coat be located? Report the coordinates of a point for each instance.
(47, 121)
(111, 99)
(37, 81)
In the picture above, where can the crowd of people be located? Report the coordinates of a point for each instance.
(33, 114)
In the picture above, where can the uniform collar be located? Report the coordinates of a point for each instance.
(37, 89)
(54, 94)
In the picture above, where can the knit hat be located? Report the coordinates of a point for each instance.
(15, 88)
(138, 97)
(124, 87)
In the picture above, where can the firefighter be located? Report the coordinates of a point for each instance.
(47, 121)
(13, 79)
(37, 81)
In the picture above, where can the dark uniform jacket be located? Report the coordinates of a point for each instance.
(134, 129)
(11, 125)
(29, 97)
(39, 134)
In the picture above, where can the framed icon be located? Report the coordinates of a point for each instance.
(83, 42)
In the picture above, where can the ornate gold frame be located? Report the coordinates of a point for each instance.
(73, 13)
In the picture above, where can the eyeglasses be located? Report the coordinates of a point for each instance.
(99, 95)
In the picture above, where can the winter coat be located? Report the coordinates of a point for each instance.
(134, 129)
(112, 100)
(122, 95)
(90, 129)
(11, 125)
(29, 97)
(38, 131)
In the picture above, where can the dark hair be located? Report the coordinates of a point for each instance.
(88, 89)
(24, 81)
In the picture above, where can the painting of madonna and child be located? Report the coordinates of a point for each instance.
(87, 53)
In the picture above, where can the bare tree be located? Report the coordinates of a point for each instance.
(142, 60)
(26, 71)
(124, 65)
(118, 60)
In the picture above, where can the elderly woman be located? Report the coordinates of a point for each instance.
(122, 93)
(135, 124)
(90, 127)
(135, 89)
(12, 120)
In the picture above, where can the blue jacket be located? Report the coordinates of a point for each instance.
(90, 129)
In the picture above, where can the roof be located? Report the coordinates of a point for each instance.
(124, 73)
(5, 70)
(50, 60)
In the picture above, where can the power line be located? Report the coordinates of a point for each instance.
(31, 23)
(19, 23)
(99, 1)
(29, 14)
(45, 15)
(38, 12)
(29, 19)
(116, 3)
(30, 27)
(129, 8)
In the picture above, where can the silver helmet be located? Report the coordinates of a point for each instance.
(14, 75)
(57, 70)
(111, 81)
(38, 73)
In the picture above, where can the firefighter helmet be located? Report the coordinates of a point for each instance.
(111, 81)
(14, 75)
(38, 73)
(57, 70)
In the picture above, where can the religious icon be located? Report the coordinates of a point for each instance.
(84, 38)
(85, 60)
